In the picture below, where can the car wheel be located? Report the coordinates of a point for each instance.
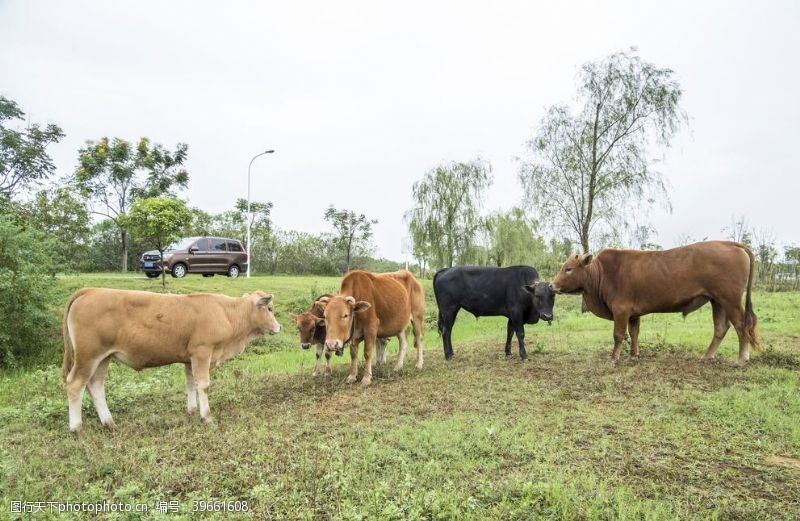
(152, 274)
(208, 274)
(233, 271)
(179, 271)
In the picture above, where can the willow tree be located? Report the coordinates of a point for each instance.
(592, 167)
(445, 220)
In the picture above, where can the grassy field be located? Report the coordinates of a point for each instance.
(567, 435)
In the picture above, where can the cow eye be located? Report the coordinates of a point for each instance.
(567, 270)
(344, 316)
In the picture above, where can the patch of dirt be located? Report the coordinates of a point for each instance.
(782, 461)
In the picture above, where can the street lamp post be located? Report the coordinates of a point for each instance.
(249, 217)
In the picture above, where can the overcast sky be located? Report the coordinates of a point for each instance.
(360, 99)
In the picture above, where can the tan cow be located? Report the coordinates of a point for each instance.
(623, 285)
(142, 329)
(371, 307)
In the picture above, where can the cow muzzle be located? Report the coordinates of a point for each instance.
(305, 345)
(548, 319)
(336, 346)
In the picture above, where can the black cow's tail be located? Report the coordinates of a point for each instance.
(440, 322)
(750, 319)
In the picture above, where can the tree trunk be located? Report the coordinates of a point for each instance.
(124, 238)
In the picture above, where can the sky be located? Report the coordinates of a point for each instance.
(361, 99)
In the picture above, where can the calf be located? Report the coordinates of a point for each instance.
(513, 292)
(142, 329)
(311, 327)
(372, 307)
(624, 285)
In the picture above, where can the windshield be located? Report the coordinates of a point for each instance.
(182, 244)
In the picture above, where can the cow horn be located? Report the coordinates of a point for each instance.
(350, 300)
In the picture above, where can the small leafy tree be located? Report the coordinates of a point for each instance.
(512, 239)
(23, 153)
(160, 221)
(445, 220)
(352, 232)
(114, 174)
(26, 285)
(62, 215)
(593, 167)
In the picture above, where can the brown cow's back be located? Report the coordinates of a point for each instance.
(389, 295)
(667, 281)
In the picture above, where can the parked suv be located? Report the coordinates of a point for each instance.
(205, 255)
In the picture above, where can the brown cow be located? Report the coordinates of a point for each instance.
(370, 307)
(624, 285)
(142, 329)
(311, 326)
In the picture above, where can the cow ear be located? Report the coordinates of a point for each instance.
(320, 322)
(293, 316)
(320, 304)
(529, 288)
(265, 300)
(324, 299)
(362, 306)
(350, 300)
(586, 259)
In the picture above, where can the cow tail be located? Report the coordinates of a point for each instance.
(69, 349)
(440, 322)
(750, 319)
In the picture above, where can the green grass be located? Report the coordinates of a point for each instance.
(567, 435)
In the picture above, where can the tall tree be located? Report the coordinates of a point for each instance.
(114, 174)
(159, 220)
(352, 232)
(445, 220)
(594, 166)
(23, 153)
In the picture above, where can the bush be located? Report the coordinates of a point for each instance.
(26, 282)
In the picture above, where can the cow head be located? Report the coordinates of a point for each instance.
(307, 325)
(340, 312)
(262, 314)
(543, 299)
(572, 276)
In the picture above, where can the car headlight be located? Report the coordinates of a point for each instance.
(167, 256)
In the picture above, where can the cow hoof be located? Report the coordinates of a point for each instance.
(76, 431)
(448, 356)
(350, 379)
(509, 355)
(192, 412)
(419, 366)
(366, 381)
(315, 374)
(110, 425)
(398, 367)
(524, 359)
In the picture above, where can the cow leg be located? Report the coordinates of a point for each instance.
(509, 337)
(77, 379)
(735, 314)
(418, 326)
(519, 328)
(721, 326)
(381, 351)
(201, 368)
(633, 329)
(402, 337)
(620, 325)
(328, 368)
(369, 349)
(353, 362)
(447, 319)
(97, 390)
(191, 389)
(320, 349)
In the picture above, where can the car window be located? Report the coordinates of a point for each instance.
(201, 245)
(217, 245)
(182, 244)
(234, 246)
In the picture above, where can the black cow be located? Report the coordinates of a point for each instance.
(514, 292)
